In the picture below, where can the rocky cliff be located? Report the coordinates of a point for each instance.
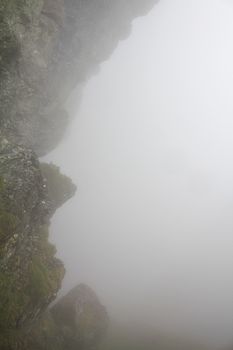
(47, 48)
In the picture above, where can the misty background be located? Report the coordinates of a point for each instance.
(150, 148)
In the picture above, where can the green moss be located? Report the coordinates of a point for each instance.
(8, 222)
(38, 281)
(13, 301)
(8, 225)
(1, 183)
(30, 283)
(44, 278)
(1, 191)
(44, 274)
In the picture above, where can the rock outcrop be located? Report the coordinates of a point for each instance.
(81, 318)
(30, 274)
(47, 47)
(77, 321)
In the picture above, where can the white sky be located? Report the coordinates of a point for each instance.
(151, 150)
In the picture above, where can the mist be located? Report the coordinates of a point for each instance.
(150, 148)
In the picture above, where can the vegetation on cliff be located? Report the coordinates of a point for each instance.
(47, 47)
(30, 274)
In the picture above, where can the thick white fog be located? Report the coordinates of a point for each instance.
(151, 150)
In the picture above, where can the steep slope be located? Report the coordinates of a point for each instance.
(30, 275)
(47, 48)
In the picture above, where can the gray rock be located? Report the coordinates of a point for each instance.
(81, 317)
(47, 48)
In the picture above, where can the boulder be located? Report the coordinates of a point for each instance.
(81, 317)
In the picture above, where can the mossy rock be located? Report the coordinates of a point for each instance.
(12, 301)
(8, 225)
(43, 282)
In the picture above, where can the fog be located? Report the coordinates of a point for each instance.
(150, 148)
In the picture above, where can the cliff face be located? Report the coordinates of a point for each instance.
(77, 321)
(30, 275)
(47, 47)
